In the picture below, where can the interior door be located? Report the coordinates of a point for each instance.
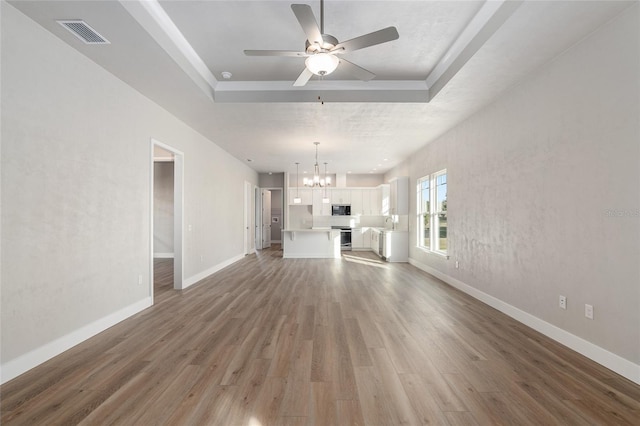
(266, 218)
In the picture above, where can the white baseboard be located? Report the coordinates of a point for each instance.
(23, 363)
(594, 352)
(204, 274)
(163, 255)
(276, 241)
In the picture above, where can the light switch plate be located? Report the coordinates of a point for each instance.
(588, 311)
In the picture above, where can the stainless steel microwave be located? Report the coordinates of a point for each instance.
(340, 210)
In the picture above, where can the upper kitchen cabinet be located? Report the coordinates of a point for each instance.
(357, 206)
(305, 195)
(320, 208)
(384, 200)
(340, 196)
(371, 204)
(375, 203)
(399, 196)
(366, 201)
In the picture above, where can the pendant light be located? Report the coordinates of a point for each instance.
(327, 181)
(316, 180)
(297, 199)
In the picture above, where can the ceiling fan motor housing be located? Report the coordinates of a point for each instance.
(329, 42)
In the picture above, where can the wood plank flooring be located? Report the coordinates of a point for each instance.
(354, 341)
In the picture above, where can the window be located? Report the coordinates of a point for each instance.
(432, 212)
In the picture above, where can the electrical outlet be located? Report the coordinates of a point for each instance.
(562, 302)
(588, 311)
(457, 264)
(140, 279)
(201, 258)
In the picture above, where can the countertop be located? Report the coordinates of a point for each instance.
(379, 229)
(310, 230)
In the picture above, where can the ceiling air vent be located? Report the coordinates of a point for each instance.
(84, 32)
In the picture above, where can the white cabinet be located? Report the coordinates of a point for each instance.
(366, 239)
(320, 208)
(366, 202)
(385, 202)
(399, 196)
(375, 241)
(305, 195)
(395, 247)
(340, 196)
(361, 239)
(357, 239)
(357, 202)
(371, 202)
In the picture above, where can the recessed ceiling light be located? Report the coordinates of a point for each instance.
(375, 170)
(270, 173)
(349, 171)
(226, 75)
(379, 165)
(386, 159)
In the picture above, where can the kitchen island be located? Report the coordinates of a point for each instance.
(317, 243)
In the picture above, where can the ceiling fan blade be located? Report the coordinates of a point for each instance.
(377, 37)
(275, 53)
(356, 70)
(308, 22)
(304, 76)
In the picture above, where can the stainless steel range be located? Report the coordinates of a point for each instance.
(345, 237)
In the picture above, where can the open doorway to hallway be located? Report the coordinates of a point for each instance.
(167, 205)
(269, 217)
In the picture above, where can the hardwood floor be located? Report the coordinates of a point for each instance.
(353, 341)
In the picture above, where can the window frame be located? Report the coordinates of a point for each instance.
(422, 212)
(434, 212)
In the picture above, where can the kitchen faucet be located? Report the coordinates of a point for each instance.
(393, 223)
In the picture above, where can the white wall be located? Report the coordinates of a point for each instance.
(163, 216)
(368, 180)
(531, 180)
(76, 196)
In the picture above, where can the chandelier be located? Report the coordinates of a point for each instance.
(316, 180)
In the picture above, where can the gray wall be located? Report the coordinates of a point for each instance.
(533, 179)
(275, 180)
(76, 195)
(276, 211)
(163, 216)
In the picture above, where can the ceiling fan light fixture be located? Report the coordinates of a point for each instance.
(322, 63)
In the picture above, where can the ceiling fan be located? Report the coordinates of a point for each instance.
(322, 50)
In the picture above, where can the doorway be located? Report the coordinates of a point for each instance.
(266, 218)
(249, 246)
(167, 204)
(269, 217)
